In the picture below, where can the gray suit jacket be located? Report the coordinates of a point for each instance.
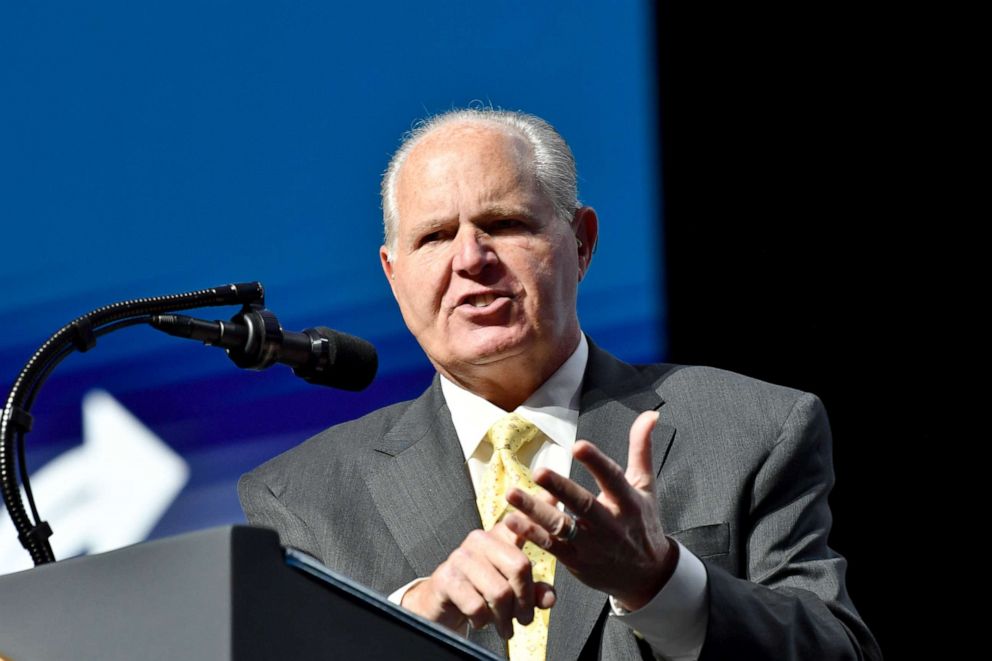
(744, 470)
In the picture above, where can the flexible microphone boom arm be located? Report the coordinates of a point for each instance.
(80, 335)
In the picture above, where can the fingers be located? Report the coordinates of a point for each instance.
(538, 521)
(479, 591)
(608, 475)
(640, 473)
(539, 510)
(516, 569)
(509, 588)
(487, 579)
(519, 573)
(565, 490)
(507, 535)
(612, 480)
(544, 595)
(535, 533)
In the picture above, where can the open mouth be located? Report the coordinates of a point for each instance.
(484, 300)
(480, 300)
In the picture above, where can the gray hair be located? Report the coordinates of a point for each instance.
(554, 165)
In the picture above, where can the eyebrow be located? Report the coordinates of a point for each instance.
(491, 211)
(501, 211)
(427, 226)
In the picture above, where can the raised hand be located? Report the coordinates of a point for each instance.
(615, 543)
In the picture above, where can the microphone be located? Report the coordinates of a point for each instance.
(255, 340)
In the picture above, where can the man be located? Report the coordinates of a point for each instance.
(710, 543)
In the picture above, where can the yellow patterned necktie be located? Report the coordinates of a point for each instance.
(505, 471)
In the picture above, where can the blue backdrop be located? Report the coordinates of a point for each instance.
(158, 147)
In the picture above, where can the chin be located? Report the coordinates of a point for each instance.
(492, 347)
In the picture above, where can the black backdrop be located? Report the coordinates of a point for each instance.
(801, 250)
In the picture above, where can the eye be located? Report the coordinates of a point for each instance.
(504, 224)
(431, 237)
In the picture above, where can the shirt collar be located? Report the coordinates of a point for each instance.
(553, 408)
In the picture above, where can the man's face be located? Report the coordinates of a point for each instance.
(484, 273)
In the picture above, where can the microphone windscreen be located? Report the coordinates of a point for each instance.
(351, 365)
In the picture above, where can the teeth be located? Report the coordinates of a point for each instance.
(482, 300)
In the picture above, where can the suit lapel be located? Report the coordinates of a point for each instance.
(613, 395)
(423, 491)
(421, 486)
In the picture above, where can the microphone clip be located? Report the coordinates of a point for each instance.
(261, 348)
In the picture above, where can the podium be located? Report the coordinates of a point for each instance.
(224, 593)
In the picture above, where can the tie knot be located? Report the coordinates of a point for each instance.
(511, 432)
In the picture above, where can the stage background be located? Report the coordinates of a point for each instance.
(154, 148)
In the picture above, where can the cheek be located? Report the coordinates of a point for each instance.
(416, 304)
(558, 282)
(554, 273)
(420, 295)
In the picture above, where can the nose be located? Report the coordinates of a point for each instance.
(472, 253)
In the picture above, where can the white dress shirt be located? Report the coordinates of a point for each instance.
(674, 622)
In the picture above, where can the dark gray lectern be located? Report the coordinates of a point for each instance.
(226, 593)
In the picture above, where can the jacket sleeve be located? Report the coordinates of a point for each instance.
(793, 603)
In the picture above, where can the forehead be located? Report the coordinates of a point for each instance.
(456, 168)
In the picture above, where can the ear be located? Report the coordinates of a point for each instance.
(387, 268)
(585, 226)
